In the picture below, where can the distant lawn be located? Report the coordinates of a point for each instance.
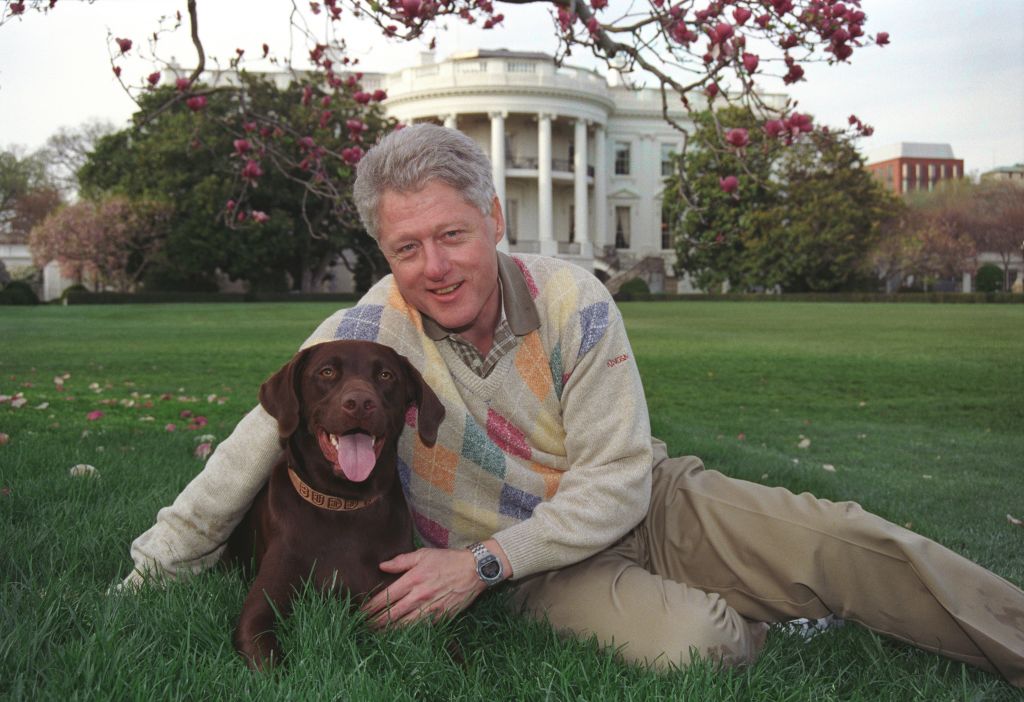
(918, 408)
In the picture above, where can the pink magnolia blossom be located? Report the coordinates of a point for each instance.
(763, 20)
(774, 127)
(352, 155)
(379, 95)
(711, 91)
(17, 8)
(362, 97)
(241, 146)
(750, 62)
(729, 184)
(882, 38)
(196, 103)
(125, 45)
(153, 78)
(738, 137)
(260, 217)
(182, 84)
(741, 15)
(251, 171)
(599, 4)
(411, 8)
(117, 71)
(94, 415)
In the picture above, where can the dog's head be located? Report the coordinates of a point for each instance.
(350, 399)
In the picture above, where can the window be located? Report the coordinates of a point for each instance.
(512, 221)
(622, 158)
(622, 227)
(667, 152)
(666, 230)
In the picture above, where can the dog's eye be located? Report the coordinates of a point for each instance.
(326, 372)
(385, 375)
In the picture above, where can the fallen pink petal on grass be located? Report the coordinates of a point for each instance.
(170, 427)
(203, 450)
(4, 439)
(94, 415)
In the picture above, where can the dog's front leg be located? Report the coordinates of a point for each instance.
(255, 637)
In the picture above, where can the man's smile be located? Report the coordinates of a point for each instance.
(445, 291)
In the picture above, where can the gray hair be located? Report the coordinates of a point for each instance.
(407, 159)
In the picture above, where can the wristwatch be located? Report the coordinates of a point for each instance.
(488, 566)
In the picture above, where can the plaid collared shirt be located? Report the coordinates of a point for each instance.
(504, 342)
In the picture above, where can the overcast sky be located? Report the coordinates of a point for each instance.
(954, 72)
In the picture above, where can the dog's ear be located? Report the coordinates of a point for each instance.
(280, 396)
(431, 411)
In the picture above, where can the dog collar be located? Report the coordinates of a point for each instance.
(323, 501)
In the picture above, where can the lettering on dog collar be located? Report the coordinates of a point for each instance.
(323, 501)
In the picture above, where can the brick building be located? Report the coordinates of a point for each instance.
(908, 167)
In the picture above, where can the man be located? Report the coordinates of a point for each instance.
(545, 474)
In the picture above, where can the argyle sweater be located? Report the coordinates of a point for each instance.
(550, 454)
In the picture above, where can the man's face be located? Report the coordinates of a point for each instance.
(443, 255)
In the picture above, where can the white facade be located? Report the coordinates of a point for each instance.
(577, 160)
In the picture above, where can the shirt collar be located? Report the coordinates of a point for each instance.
(516, 303)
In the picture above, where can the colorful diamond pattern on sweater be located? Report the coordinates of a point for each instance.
(532, 365)
(530, 282)
(517, 503)
(436, 465)
(361, 322)
(551, 476)
(481, 450)
(507, 436)
(432, 532)
(594, 323)
(555, 363)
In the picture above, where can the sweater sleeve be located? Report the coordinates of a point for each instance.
(606, 490)
(189, 534)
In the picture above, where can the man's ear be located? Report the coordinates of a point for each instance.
(431, 411)
(279, 395)
(499, 220)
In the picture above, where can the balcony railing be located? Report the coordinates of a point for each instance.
(531, 163)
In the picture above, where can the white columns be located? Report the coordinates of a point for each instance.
(600, 189)
(450, 121)
(580, 189)
(545, 215)
(498, 165)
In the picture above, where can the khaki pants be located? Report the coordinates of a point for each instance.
(716, 557)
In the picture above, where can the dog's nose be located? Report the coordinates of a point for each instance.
(358, 404)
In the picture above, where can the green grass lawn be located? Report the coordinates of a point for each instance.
(919, 409)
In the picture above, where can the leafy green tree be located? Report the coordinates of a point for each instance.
(27, 195)
(244, 176)
(780, 205)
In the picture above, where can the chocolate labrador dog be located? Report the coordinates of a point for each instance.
(333, 508)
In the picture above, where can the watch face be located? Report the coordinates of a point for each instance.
(491, 569)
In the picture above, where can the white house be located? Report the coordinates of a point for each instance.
(579, 159)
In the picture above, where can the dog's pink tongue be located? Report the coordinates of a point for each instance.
(355, 456)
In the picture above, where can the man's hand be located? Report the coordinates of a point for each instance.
(435, 583)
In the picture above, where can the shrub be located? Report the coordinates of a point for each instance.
(989, 278)
(635, 286)
(18, 292)
(77, 288)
